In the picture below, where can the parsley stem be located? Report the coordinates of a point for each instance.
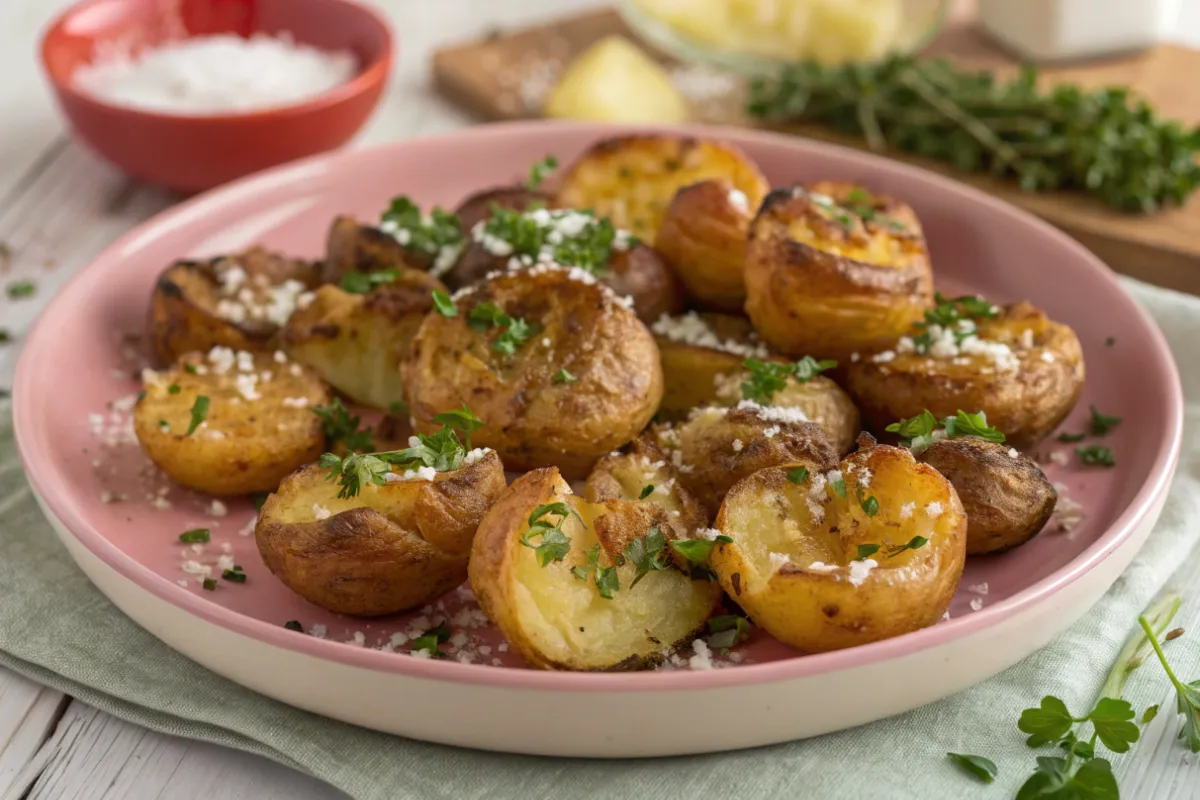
(1158, 651)
(1134, 652)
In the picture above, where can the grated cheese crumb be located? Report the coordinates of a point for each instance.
(906, 510)
(691, 329)
(821, 566)
(702, 660)
(321, 512)
(859, 570)
(737, 445)
(934, 509)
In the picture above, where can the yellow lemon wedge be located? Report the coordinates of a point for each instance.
(615, 81)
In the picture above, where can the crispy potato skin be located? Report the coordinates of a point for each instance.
(1007, 500)
(244, 445)
(632, 179)
(356, 341)
(838, 292)
(623, 476)
(817, 610)
(528, 418)
(703, 239)
(693, 372)
(387, 550)
(858, 197)
(719, 447)
(183, 306)
(1025, 404)
(350, 245)
(552, 619)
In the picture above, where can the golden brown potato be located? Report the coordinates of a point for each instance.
(352, 246)
(703, 239)
(823, 565)
(881, 209)
(818, 399)
(646, 474)
(1005, 495)
(698, 351)
(718, 447)
(582, 380)
(258, 426)
(356, 341)
(1022, 369)
(388, 549)
(555, 617)
(237, 301)
(632, 179)
(823, 281)
(476, 261)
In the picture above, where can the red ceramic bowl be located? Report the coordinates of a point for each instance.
(191, 153)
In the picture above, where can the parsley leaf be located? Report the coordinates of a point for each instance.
(870, 506)
(554, 544)
(174, 388)
(195, 536)
(430, 640)
(340, 426)
(698, 551)
(644, 554)
(1096, 456)
(964, 424)
(982, 768)
(798, 476)
(593, 560)
(539, 235)
(356, 282)
(1054, 780)
(1113, 722)
(1101, 424)
(865, 551)
(199, 412)
(607, 581)
(462, 419)
(444, 304)
(403, 219)
(839, 487)
(19, 290)
(294, 625)
(1069, 438)
(539, 171)
(915, 432)
(1187, 695)
(562, 376)
(236, 575)
(1047, 723)
(766, 378)
(210, 584)
(647, 490)
(726, 631)
(516, 330)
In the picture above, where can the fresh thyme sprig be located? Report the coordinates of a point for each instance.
(1101, 141)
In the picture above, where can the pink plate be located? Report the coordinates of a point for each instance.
(77, 377)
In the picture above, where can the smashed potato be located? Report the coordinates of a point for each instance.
(829, 560)
(1007, 498)
(646, 474)
(560, 372)
(553, 612)
(1021, 368)
(356, 341)
(388, 549)
(698, 351)
(632, 179)
(239, 301)
(352, 246)
(703, 239)
(231, 423)
(717, 447)
(823, 280)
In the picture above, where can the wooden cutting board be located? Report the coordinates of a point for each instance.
(505, 76)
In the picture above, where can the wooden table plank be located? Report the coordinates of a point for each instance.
(28, 714)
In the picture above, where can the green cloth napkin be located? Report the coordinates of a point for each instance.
(57, 629)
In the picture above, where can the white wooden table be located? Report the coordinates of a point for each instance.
(59, 206)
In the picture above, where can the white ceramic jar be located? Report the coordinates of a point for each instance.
(1056, 30)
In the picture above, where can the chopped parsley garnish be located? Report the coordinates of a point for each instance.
(980, 767)
(1101, 424)
(258, 499)
(839, 487)
(539, 171)
(947, 313)
(964, 424)
(1069, 438)
(294, 625)
(593, 559)
(199, 412)
(174, 388)
(769, 377)
(562, 376)
(698, 551)
(20, 290)
(1096, 456)
(236, 575)
(865, 551)
(647, 490)
(430, 235)
(917, 432)
(607, 581)
(516, 330)
(554, 544)
(162, 423)
(398, 407)
(356, 282)
(798, 476)
(190, 369)
(430, 640)
(462, 420)
(727, 631)
(444, 304)
(210, 584)
(5, 336)
(870, 506)
(196, 536)
(644, 554)
(341, 426)
(537, 235)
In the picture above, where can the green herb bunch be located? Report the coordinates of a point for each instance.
(1102, 141)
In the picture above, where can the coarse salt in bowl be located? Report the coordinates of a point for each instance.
(190, 94)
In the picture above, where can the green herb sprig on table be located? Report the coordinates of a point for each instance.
(1101, 141)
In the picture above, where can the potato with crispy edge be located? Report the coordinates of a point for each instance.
(237, 301)
(1006, 495)
(533, 413)
(554, 619)
(388, 549)
(821, 280)
(645, 468)
(632, 179)
(258, 428)
(1025, 394)
(703, 239)
(719, 446)
(794, 563)
(353, 246)
(356, 341)
(698, 350)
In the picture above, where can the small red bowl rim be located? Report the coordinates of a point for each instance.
(370, 75)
